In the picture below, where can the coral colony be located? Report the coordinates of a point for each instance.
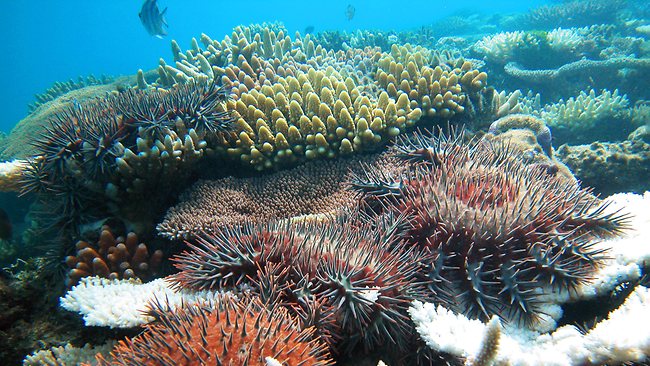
(348, 198)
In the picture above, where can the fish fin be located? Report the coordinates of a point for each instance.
(162, 17)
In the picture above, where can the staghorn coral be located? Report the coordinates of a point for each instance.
(314, 188)
(340, 276)
(499, 231)
(114, 258)
(249, 333)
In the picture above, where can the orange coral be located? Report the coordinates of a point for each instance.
(113, 258)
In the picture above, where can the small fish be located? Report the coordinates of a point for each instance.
(5, 225)
(309, 29)
(349, 12)
(153, 19)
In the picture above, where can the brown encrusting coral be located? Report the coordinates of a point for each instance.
(113, 257)
(314, 188)
(228, 332)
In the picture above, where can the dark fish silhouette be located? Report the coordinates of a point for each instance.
(309, 29)
(5, 225)
(153, 19)
(349, 12)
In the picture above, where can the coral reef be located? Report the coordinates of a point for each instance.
(294, 100)
(114, 258)
(301, 241)
(314, 188)
(249, 333)
(621, 337)
(123, 155)
(501, 47)
(18, 144)
(587, 117)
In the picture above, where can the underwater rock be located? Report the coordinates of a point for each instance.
(610, 167)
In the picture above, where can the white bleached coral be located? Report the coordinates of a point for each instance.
(122, 303)
(623, 337)
(564, 39)
(584, 110)
(500, 47)
(10, 174)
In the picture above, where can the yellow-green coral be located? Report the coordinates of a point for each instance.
(294, 101)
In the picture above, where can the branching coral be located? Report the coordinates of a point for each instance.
(67, 355)
(294, 100)
(501, 46)
(564, 39)
(585, 110)
(114, 258)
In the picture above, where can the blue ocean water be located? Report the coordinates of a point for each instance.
(48, 41)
